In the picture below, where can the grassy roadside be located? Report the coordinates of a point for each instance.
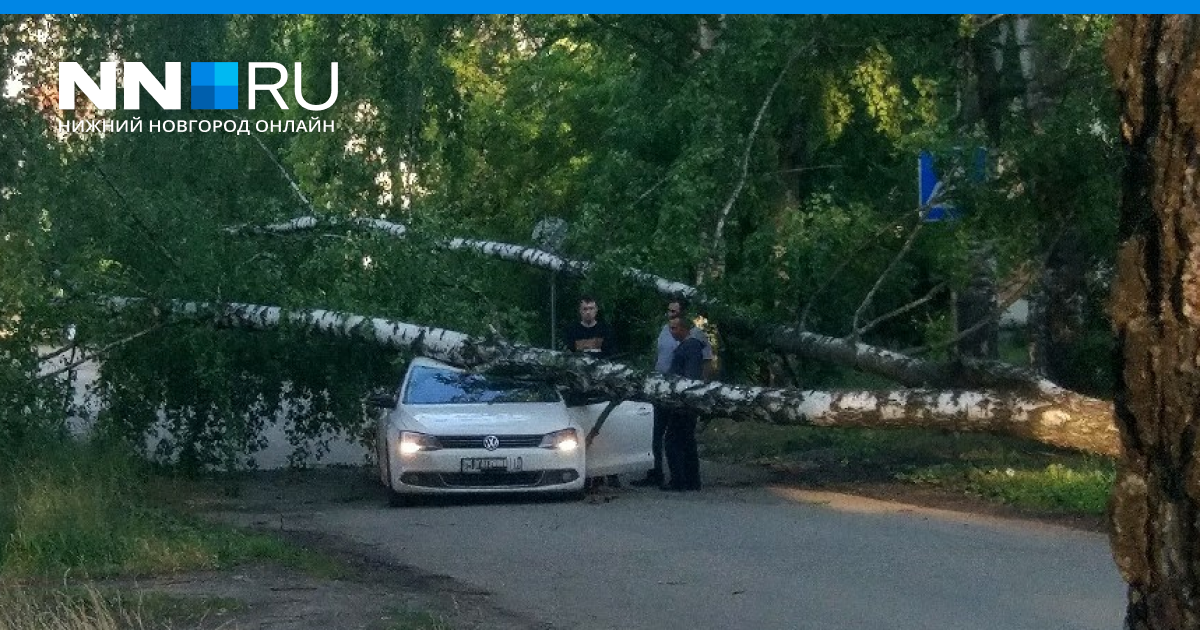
(1022, 474)
(84, 510)
(72, 515)
(90, 608)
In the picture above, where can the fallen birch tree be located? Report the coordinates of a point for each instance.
(1019, 389)
(846, 351)
(1064, 421)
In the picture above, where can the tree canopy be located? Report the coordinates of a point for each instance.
(767, 160)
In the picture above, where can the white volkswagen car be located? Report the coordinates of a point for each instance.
(448, 431)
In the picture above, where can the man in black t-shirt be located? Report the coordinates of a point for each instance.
(589, 334)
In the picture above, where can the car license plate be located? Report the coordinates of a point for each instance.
(484, 464)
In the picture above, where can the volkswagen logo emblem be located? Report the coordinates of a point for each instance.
(491, 442)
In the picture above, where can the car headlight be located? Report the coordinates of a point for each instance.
(412, 442)
(565, 440)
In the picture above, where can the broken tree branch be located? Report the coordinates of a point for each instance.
(282, 171)
(63, 350)
(846, 260)
(96, 353)
(723, 216)
(1013, 294)
(608, 409)
(912, 237)
(896, 312)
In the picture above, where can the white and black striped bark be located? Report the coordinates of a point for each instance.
(1052, 416)
(904, 369)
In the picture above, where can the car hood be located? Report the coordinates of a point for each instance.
(500, 418)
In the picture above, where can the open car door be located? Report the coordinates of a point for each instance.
(623, 444)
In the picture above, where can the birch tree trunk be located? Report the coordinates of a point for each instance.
(1156, 312)
(1060, 419)
(977, 301)
(1056, 318)
(907, 370)
(1057, 304)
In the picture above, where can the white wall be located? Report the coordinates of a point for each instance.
(1016, 316)
(341, 450)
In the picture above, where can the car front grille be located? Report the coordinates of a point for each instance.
(492, 479)
(497, 479)
(476, 441)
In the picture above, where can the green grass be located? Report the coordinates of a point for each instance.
(88, 607)
(28, 609)
(84, 510)
(1080, 489)
(173, 611)
(404, 619)
(1015, 472)
(72, 515)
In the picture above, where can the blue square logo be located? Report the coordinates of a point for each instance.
(225, 74)
(214, 85)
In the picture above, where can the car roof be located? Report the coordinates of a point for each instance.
(434, 363)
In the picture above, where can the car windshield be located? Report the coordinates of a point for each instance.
(435, 386)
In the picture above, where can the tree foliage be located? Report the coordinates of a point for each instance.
(643, 132)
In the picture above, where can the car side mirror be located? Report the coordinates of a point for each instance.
(383, 401)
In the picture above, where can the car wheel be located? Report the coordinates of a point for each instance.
(381, 467)
(395, 499)
(398, 500)
(382, 460)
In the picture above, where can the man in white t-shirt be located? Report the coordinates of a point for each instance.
(662, 364)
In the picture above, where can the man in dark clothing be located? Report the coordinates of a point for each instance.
(683, 456)
(666, 345)
(589, 334)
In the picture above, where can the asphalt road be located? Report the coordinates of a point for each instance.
(740, 557)
(730, 557)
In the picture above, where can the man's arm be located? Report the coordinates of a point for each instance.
(709, 371)
(693, 360)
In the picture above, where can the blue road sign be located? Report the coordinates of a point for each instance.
(934, 179)
(930, 186)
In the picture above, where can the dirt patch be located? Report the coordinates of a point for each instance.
(931, 498)
(372, 595)
(275, 598)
